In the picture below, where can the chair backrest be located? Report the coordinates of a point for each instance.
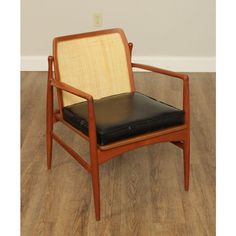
(97, 63)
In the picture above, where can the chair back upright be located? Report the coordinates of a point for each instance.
(97, 63)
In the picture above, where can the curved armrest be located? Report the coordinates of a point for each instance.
(184, 77)
(161, 71)
(70, 89)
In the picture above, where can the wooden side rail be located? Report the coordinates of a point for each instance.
(72, 152)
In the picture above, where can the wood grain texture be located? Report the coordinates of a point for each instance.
(142, 191)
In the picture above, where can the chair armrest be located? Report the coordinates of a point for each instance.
(89, 98)
(184, 77)
(161, 71)
(70, 89)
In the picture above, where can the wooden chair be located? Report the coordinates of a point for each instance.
(95, 87)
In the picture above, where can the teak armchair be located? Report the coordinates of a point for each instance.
(97, 99)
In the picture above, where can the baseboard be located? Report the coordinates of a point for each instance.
(187, 64)
(34, 63)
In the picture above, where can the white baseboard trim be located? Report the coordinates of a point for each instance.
(34, 63)
(184, 64)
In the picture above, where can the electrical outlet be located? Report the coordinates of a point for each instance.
(97, 20)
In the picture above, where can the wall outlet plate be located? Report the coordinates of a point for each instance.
(97, 19)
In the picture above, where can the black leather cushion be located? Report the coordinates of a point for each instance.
(124, 115)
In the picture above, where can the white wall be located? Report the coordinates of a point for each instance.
(164, 32)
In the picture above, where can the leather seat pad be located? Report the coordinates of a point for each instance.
(124, 115)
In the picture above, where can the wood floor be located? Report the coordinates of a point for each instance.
(142, 191)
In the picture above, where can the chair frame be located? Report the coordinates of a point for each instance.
(178, 135)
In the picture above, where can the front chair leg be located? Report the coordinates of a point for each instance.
(94, 158)
(96, 188)
(186, 161)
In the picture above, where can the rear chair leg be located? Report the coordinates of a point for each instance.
(49, 147)
(186, 161)
(49, 115)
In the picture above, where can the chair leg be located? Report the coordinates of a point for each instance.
(49, 149)
(49, 124)
(186, 161)
(96, 190)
